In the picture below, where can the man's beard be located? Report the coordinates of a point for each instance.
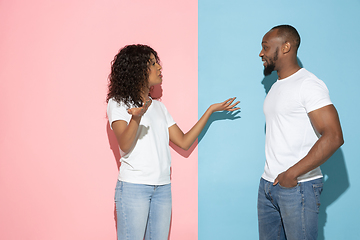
(269, 69)
(271, 64)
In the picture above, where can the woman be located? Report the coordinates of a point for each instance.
(143, 128)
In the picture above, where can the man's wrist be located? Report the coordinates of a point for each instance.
(291, 172)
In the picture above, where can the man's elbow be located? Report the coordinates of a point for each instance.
(339, 140)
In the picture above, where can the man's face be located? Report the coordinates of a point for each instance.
(270, 51)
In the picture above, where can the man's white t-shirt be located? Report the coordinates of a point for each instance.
(289, 133)
(149, 160)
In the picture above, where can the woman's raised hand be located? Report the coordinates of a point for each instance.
(227, 105)
(138, 112)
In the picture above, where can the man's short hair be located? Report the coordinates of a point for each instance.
(289, 33)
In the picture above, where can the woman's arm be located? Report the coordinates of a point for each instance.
(185, 141)
(126, 133)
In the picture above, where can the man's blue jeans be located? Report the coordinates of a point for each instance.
(289, 213)
(143, 210)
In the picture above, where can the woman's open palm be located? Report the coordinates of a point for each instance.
(138, 112)
(227, 105)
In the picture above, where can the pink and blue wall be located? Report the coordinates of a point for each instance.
(59, 160)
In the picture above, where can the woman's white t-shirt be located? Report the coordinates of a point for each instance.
(149, 160)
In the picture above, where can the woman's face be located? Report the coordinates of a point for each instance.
(155, 76)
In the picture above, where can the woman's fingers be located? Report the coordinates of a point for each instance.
(228, 106)
(141, 110)
(233, 107)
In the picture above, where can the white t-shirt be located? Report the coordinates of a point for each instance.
(289, 133)
(149, 160)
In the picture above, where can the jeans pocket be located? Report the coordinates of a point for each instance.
(282, 187)
(118, 190)
(317, 192)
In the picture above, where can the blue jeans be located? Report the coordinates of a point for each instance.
(289, 213)
(143, 210)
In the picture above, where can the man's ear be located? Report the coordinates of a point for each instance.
(286, 47)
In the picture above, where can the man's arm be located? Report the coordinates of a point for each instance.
(326, 122)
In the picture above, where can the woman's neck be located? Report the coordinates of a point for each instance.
(145, 95)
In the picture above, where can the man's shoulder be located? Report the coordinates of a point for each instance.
(305, 74)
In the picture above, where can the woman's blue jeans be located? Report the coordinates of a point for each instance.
(143, 211)
(289, 213)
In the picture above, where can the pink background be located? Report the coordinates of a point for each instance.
(58, 159)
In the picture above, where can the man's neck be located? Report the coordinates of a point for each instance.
(288, 71)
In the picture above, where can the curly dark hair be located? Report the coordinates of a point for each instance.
(129, 74)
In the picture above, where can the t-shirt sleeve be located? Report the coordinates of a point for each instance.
(314, 94)
(116, 111)
(169, 120)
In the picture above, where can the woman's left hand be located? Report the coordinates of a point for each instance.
(186, 140)
(227, 105)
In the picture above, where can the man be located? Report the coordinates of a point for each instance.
(302, 131)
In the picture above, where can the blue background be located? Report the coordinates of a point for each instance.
(231, 156)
